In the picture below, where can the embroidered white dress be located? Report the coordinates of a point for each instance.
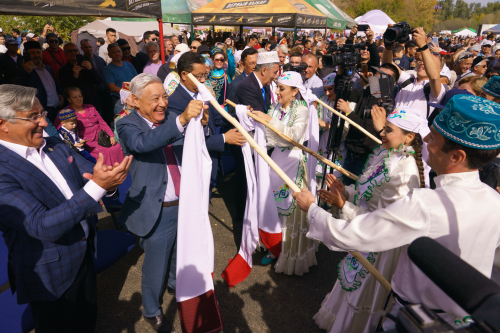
(297, 251)
(326, 115)
(388, 176)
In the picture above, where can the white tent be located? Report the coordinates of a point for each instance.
(131, 31)
(377, 19)
(466, 33)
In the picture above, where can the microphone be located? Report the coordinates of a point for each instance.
(474, 292)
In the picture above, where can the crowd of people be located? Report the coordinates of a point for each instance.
(79, 123)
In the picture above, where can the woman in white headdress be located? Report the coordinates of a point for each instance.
(391, 172)
(290, 116)
(324, 119)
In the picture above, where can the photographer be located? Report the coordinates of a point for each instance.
(369, 55)
(417, 91)
(460, 213)
(358, 145)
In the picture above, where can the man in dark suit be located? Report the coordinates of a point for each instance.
(249, 60)
(155, 137)
(191, 62)
(11, 63)
(36, 75)
(49, 199)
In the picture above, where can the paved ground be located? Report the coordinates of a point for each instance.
(264, 302)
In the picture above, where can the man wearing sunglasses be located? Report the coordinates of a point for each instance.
(463, 64)
(54, 56)
(128, 57)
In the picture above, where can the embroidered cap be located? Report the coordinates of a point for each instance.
(492, 87)
(268, 58)
(409, 119)
(471, 121)
(66, 114)
(329, 80)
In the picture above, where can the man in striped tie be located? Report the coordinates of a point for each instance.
(155, 138)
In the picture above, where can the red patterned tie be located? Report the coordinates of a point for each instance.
(172, 166)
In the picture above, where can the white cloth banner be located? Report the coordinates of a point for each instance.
(312, 137)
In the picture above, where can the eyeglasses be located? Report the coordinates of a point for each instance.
(35, 118)
(219, 60)
(53, 41)
(127, 48)
(72, 51)
(201, 77)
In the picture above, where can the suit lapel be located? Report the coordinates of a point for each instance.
(261, 99)
(64, 165)
(31, 172)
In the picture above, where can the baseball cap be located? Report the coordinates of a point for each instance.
(10, 41)
(30, 35)
(203, 49)
(182, 47)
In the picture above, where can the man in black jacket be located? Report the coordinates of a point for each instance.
(11, 63)
(358, 145)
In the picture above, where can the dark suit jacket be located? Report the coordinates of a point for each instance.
(86, 81)
(178, 102)
(41, 228)
(165, 69)
(33, 80)
(143, 203)
(231, 92)
(10, 71)
(249, 93)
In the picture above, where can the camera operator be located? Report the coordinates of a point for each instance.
(369, 55)
(358, 145)
(426, 86)
(459, 214)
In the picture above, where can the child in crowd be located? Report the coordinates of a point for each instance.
(69, 133)
(397, 53)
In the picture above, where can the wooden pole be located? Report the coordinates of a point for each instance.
(304, 148)
(373, 271)
(368, 134)
(251, 141)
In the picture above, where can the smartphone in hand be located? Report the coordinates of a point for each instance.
(363, 27)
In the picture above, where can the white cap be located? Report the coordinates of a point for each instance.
(30, 35)
(446, 72)
(237, 57)
(175, 59)
(182, 47)
(476, 47)
(1, 30)
(487, 42)
(268, 58)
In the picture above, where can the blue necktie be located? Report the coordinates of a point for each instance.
(264, 95)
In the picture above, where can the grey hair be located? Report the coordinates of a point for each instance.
(69, 44)
(140, 82)
(259, 67)
(283, 48)
(15, 98)
(151, 43)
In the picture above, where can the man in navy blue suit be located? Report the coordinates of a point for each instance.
(48, 202)
(191, 62)
(249, 60)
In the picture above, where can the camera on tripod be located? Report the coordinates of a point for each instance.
(345, 55)
(382, 88)
(399, 33)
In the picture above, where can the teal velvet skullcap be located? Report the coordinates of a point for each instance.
(471, 121)
(492, 87)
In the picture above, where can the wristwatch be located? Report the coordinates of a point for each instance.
(423, 48)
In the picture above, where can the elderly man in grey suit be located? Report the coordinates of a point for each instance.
(155, 138)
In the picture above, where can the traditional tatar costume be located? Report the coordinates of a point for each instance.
(297, 252)
(460, 214)
(388, 176)
(71, 137)
(327, 115)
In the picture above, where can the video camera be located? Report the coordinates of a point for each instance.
(382, 88)
(299, 69)
(345, 55)
(399, 33)
(471, 290)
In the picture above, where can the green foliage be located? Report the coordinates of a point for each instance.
(63, 24)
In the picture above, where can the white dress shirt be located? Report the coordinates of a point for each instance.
(316, 85)
(170, 191)
(460, 214)
(40, 160)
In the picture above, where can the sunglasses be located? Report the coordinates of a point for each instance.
(154, 39)
(53, 41)
(73, 51)
(219, 60)
(125, 48)
(194, 47)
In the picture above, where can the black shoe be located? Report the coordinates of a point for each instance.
(171, 291)
(159, 323)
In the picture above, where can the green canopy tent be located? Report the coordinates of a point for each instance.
(336, 18)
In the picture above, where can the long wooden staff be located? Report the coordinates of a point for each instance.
(369, 267)
(296, 144)
(368, 134)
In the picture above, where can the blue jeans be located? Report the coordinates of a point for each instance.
(355, 164)
(160, 256)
